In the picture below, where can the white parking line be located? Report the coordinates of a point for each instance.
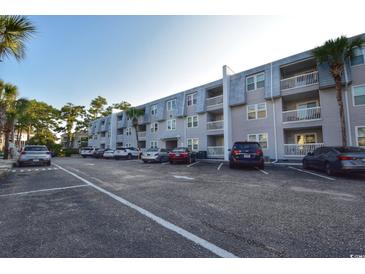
(184, 233)
(193, 164)
(312, 173)
(183, 177)
(41, 190)
(220, 165)
(263, 171)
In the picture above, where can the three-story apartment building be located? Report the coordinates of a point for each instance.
(288, 105)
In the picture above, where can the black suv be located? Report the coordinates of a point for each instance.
(246, 154)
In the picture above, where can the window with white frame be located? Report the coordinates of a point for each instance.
(128, 145)
(193, 144)
(171, 105)
(192, 99)
(128, 131)
(171, 124)
(256, 111)
(358, 95)
(154, 127)
(154, 110)
(192, 121)
(360, 136)
(256, 81)
(358, 56)
(261, 138)
(153, 144)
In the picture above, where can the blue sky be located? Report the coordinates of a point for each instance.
(141, 58)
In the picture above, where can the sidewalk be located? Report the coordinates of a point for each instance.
(5, 166)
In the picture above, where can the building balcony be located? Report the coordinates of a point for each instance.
(300, 150)
(142, 135)
(120, 138)
(215, 125)
(214, 102)
(119, 124)
(302, 115)
(302, 80)
(215, 151)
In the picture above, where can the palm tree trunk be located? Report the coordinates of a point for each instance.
(136, 130)
(6, 144)
(341, 109)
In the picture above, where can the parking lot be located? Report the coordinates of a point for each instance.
(107, 208)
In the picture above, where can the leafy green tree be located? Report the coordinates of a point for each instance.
(97, 107)
(15, 30)
(121, 106)
(134, 113)
(335, 53)
(71, 115)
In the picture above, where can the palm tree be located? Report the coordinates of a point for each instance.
(14, 31)
(335, 53)
(7, 105)
(134, 113)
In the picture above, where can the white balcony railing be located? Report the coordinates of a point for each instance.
(299, 115)
(302, 80)
(214, 125)
(120, 138)
(300, 150)
(141, 134)
(215, 101)
(215, 152)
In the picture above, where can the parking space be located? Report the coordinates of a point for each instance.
(205, 210)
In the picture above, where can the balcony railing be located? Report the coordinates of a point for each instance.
(120, 138)
(119, 124)
(215, 152)
(214, 125)
(214, 101)
(299, 115)
(141, 134)
(302, 80)
(300, 150)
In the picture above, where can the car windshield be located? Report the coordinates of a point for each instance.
(87, 148)
(36, 148)
(180, 149)
(152, 149)
(350, 149)
(246, 146)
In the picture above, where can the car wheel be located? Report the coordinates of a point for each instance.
(305, 164)
(49, 163)
(171, 162)
(20, 164)
(144, 161)
(83, 156)
(262, 166)
(129, 157)
(329, 170)
(231, 165)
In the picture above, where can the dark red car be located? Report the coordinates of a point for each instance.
(182, 155)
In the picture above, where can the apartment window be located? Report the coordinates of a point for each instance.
(153, 144)
(193, 144)
(154, 110)
(358, 95)
(128, 131)
(360, 136)
(255, 81)
(192, 99)
(260, 138)
(154, 127)
(102, 134)
(128, 145)
(171, 105)
(193, 121)
(358, 56)
(256, 111)
(171, 124)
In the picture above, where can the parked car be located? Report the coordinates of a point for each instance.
(87, 152)
(182, 154)
(126, 153)
(108, 154)
(155, 155)
(336, 159)
(34, 155)
(98, 153)
(246, 154)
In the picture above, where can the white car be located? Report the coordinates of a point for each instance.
(155, 155)
(34, 155)
(126, 153)
(108, 154)
(87, 152)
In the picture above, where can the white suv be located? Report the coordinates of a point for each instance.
(87, 152)
(126, 153)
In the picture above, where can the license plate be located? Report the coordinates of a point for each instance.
(246, 155)
(35, 160)
(148, 154)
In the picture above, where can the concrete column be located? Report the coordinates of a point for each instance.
(227, 117)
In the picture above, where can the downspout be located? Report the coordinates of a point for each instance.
(274, 116)
(347, 107)
(185, 128)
